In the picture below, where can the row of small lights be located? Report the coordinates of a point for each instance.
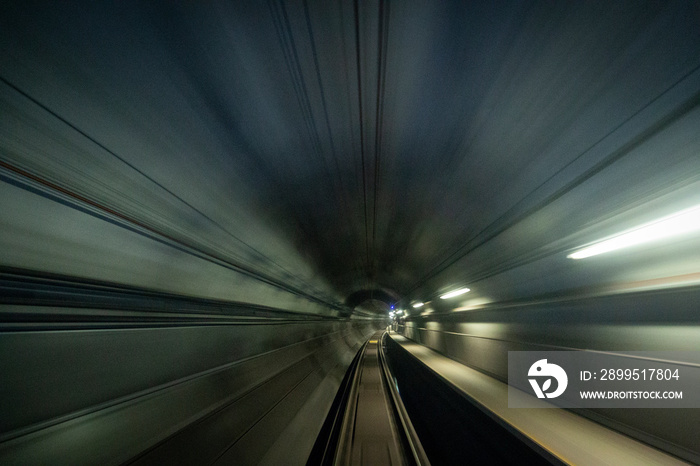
(449, 295)
(683, 222)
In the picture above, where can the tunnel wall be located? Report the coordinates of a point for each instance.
(178, 394)
(74, 207)
(660, 320)
(153, 312)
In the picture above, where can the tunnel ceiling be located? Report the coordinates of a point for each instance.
(336, 147)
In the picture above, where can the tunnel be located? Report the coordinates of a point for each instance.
(316, 232)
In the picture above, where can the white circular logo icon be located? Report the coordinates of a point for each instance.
(543, 369)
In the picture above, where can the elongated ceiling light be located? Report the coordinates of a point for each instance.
(685, 221)
(417, 305)
(454, 293)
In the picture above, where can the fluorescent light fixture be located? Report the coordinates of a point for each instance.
(417, 305)
(454, 293)
(685, 221)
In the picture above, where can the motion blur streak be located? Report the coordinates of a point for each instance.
(206, 210)
(685, 222)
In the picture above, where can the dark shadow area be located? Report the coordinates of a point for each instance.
(451, 428)
(326, 443)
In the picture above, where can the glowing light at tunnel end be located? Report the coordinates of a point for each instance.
(685, 221)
